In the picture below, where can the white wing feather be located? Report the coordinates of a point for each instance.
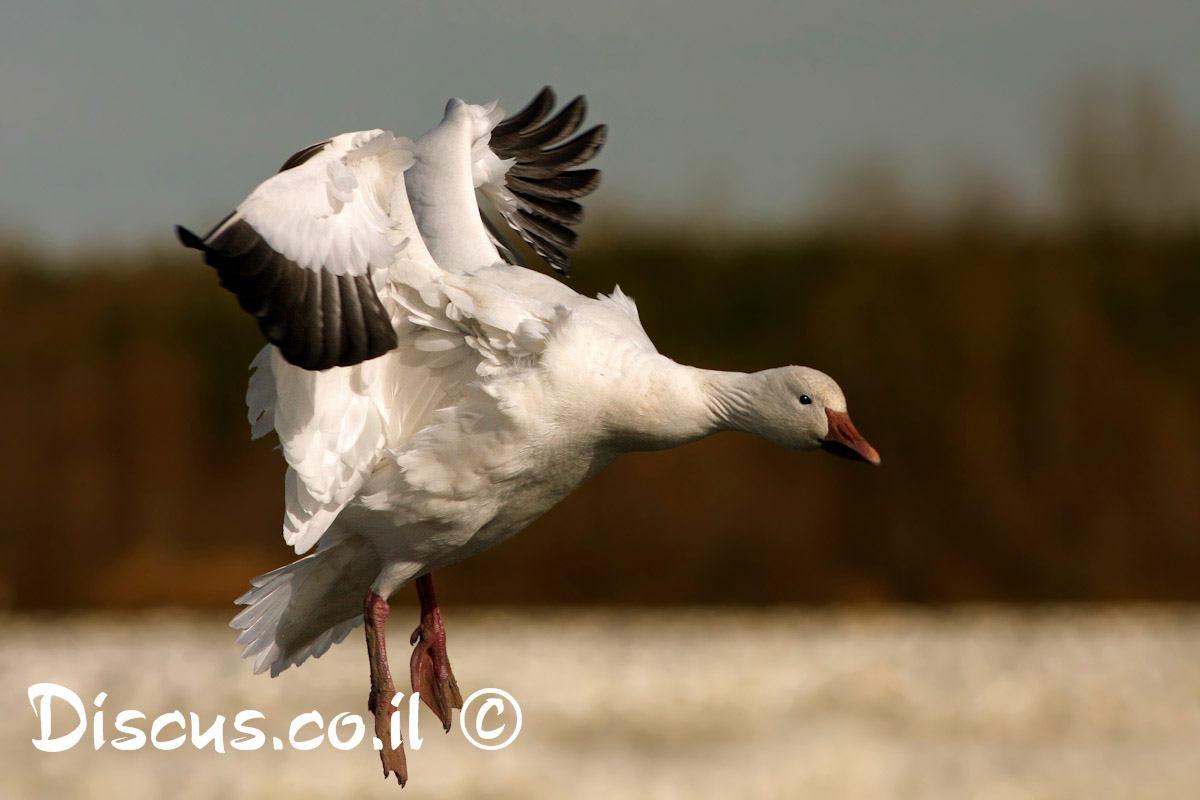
(332, 212)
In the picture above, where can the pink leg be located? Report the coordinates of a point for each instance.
(375, 613)
(430, 667)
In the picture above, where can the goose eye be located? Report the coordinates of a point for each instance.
(805, 400)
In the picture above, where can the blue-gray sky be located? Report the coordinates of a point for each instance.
(120, 118)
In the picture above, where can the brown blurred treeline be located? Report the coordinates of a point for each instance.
(1034, 390)
(1035, 398)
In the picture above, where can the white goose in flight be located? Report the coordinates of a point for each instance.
(430, 397)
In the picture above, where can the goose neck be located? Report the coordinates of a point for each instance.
(670, 404)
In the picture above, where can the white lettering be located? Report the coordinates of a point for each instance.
(253, 742)
(311, 718)
(355, 738)
(394, 720)
(44, 692)
(136, 739)
(414, 729)
(215, 733)
(163, 721)
(98, 722)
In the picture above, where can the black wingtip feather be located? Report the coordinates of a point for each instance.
(317, 320)
(564, 186)
(509, 253)
(300, 156)
(531, 114)
(541, 177)
(555, 160)
(566, 212)
(559, 127)
(560, 236)
(189, 239)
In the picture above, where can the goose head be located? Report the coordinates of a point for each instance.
(803, 409)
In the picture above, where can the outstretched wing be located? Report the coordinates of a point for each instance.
(537, 192)
(523, 165)
(307, 252)
(316, 252)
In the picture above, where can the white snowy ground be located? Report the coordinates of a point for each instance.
(978, 703)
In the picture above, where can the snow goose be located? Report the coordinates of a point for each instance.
(431, 397)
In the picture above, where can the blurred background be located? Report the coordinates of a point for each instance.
(982, 219)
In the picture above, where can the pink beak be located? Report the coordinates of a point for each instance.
(844, 440)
